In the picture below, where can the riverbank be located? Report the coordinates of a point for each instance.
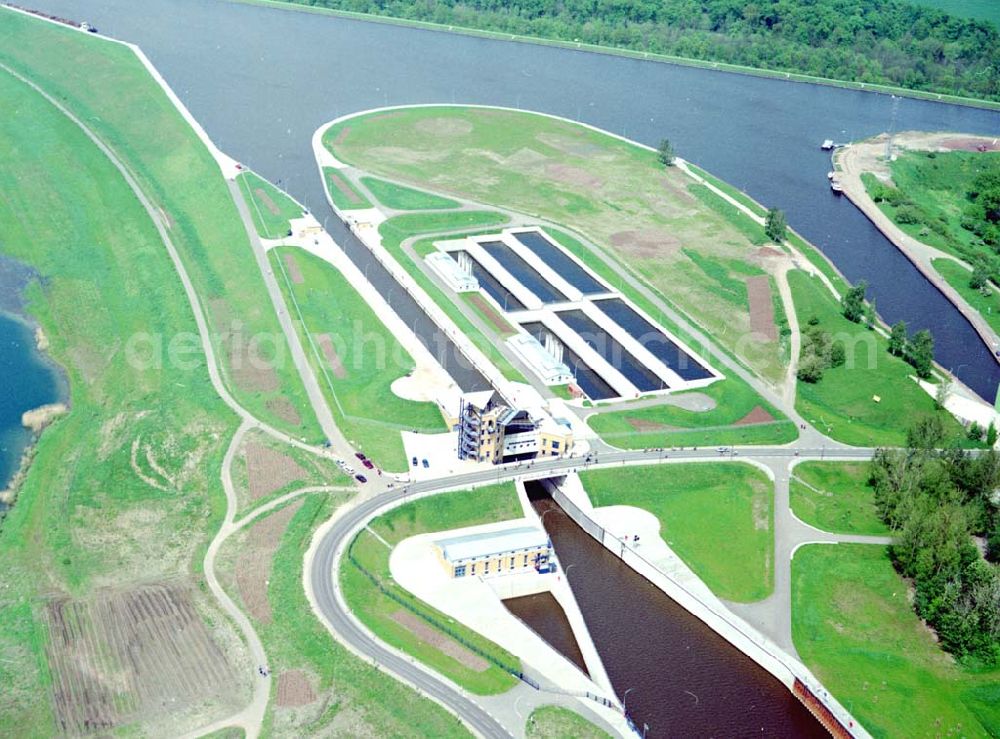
(867, 157)
(632, 54)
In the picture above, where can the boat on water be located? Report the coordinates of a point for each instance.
(831, 175)
(827, 145)
(836, 186)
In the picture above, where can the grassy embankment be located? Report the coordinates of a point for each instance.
(718, 518)
(842, 403)
(399, 197)
(105, 84)
(343, 192)
(854, 626)
(270, 208)
(554, 722)
(986, 10)
(835, 496)
(351, 695)
(85, 518)
(956, 275)
(613, 191)
(368, 358)
(376, 609)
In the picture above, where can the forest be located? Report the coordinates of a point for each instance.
(871, 41)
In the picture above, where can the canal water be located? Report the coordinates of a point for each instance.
(262, 79)
(543, 614)
(681, 678)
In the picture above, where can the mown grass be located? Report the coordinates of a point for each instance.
(956, 275)
(362, 401)
(819, 261)
(670, 425)
(359, 697)
(84, 518)
(835, 496)
(555, 722)
(986, 10)
(842, 403)
(400, 197)
(853, 625)
(394, 232)
(717, 517)
(336, 184)
(611, 190)
(104, 84)
(733, 192)
(263, 199)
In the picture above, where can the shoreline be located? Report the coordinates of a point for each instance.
(680, 61)
(920, 255)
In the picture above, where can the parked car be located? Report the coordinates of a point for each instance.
(361, 478)
(414, 461)
(426, 465)
(360, 456)
(368, 464)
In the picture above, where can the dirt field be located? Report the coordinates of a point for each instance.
(342, 136)
(294, 273)
(133, 656)
(757, 415)
(253, 565)
(325, 342)
(645, 244)
(266, 200)
(761, 307)
(641, 425)
(282, 407)
(488, 311)
(345, 190)
(440, 641)
(269, 470)
(294, 690)
(251, 370)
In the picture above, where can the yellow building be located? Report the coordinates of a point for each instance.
(519, 549)
(491, 431)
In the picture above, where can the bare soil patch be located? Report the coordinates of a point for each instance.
(282, 407)
(253, 565)
(439, 641)
(646, 243)
(642, 425)
(971, 144)
(757, 415)
(132, 655)
(448, 127)
(325, 342)
(269, 470)
(769, 252)
(342, 135)
(761, 307)
(294, 689)
(575, 176)
(266, 200)
(571, 146)
(294, 273)
(490, 313)
(251, 370)
(344, 188)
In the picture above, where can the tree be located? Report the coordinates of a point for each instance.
(979, 279)
(775, 225)
(853, 302)
(898, 339)
(942, 393)
(991, 435)
(665, 153)
(921, 353)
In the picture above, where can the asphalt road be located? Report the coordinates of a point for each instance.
(325, 562)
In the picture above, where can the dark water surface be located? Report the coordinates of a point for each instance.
(26, 381)
(546, 617)
(682, 678)
(261, 80)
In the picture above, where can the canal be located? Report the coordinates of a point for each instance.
(261, 97)
(681, 678)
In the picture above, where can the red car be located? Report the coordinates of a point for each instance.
(368, 464)
(360, 456)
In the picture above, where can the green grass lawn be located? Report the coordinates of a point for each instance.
(841, 404)
(834, 496)
(986, 10)
(270, 208)
(555, 722)
(104, 84)
(853, 625)
(351, 692)
(399, 197)
(84, 518)
(819, 261)
(669, 425)
(370, 359)
(958, 277)
(733, 192)
(396, 230)
(611, 190)
(717, 517)
(343, 192)
(435, 513)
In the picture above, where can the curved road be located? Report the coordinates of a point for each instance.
(326, 560)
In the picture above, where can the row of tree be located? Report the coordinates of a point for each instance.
(872, 41)
(935, 500)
